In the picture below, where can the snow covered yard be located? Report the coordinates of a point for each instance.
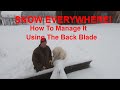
(16, 51)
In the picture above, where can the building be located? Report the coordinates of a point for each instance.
(74, 13)
(115, 14)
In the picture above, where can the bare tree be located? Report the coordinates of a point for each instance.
(43, 16)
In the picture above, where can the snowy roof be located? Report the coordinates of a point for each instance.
(10, 13)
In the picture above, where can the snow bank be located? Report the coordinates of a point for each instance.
(3, 53)
(58, 72)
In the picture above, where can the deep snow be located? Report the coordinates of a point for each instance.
(16, 51)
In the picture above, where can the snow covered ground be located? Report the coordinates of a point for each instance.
(16, 51)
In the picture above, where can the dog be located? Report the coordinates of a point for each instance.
(59, 54)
